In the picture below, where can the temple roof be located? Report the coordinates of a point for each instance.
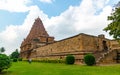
(36, 31)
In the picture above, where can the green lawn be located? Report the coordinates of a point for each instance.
(24, 68)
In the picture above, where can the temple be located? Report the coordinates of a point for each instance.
(37, 37)
(39, 45)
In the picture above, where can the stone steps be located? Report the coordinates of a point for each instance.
(104, 54)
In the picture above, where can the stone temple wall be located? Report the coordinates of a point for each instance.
(77, 45)
(39, 45)
(66, 46)
(94, 43)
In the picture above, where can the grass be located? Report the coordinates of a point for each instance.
(24, 68)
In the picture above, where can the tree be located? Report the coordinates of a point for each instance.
(114, 26)
(5, 62)
(15, 54)
(70, 59)
(2, 49)
(89, 59)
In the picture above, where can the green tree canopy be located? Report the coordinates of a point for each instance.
(5, 62)
(15, 54)
(114, 26)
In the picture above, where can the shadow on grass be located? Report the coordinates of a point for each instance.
(5, 72)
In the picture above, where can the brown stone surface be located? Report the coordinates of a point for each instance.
(37, 37)
(39, 45)
(77, 45)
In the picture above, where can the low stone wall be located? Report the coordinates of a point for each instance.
(77, 45)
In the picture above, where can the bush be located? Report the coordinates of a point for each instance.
(70, 59)
(50, 61)
(5, 62)
(19, 59)
(14, 59)
(89, 59)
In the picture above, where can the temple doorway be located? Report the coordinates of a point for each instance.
(105, 48)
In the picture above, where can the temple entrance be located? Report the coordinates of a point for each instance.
(105, 48)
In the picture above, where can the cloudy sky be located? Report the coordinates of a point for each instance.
(61, 18)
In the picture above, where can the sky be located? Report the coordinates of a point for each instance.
(61, 18)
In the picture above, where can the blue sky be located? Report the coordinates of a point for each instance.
(8, 18)
(51, 9)
(55, 8)
(61, 18)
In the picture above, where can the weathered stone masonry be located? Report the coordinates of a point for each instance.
(37, 37)
(42, 46)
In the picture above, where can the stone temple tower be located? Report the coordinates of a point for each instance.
(37, 37)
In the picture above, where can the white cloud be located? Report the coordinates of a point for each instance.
(81, 19)
(12, 37)
(76, 19)
(14, 5)
(47, 1)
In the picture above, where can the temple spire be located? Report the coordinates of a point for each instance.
(37, 32)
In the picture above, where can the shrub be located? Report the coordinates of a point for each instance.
(70, 59)
(14, 59)
(5, 62)
(19, 59)
(50, 61)
(89, 59)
